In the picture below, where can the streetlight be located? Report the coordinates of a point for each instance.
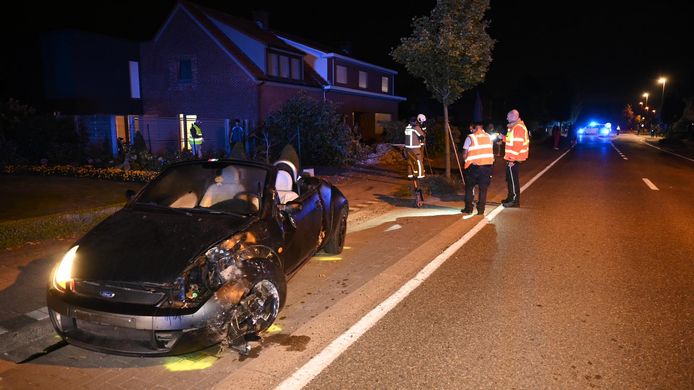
(662, 80)
(641, 103)
(645, 94)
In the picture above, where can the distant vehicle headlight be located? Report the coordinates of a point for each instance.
(62, 277)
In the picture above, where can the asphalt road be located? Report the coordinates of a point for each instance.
(589, 284)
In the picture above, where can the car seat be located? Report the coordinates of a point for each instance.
(226, 186)
(284, 185)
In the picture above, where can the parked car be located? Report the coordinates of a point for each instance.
(200, 255)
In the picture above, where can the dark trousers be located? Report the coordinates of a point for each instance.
(512, 182)
(477, 175)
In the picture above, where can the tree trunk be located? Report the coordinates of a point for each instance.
(447, 144)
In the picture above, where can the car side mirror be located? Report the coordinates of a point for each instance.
(129, 195)
(292, 207)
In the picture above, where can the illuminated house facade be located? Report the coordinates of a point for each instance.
(216, 68)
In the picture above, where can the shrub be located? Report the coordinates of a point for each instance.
(315, 129)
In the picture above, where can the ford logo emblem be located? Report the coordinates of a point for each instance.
(107, 294)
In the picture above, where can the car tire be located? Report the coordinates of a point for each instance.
(269, 280)
(336, 240)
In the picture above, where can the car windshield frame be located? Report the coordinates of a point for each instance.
(209, 193)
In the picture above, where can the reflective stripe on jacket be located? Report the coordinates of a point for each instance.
(412, 134)
(481, 151)
(517, 142)
(195, 136)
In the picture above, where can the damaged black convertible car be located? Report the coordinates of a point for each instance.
(199, 256)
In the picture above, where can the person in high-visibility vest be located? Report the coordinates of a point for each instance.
(478, 153)
(195, 139)
(415, 137)
(517, 147)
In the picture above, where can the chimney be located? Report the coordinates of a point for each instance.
(261, 19)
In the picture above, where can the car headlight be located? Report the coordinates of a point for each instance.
(62, 277)
(217, 266)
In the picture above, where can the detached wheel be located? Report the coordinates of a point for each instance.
(336, 241)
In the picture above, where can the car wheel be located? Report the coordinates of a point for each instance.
(264, 304)
(336, 241)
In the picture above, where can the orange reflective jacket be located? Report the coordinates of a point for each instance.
(481, 151)
(517, 142)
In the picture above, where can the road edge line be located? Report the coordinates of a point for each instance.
(311, 369)
(667, 151)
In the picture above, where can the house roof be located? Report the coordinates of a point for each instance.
(204, 16)
(331, 52)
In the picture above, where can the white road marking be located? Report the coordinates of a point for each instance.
(38, 314)
(305, 374)
(394, 227)
(667, 151)
(650, 184)
(3, 330)
(618, 151)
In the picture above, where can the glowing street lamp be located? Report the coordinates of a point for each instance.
(662, 80)
(645, 94)
(641, 103)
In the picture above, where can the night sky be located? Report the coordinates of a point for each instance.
(606, 52)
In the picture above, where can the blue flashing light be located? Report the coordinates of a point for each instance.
(581, 130)
(604, 131)
(608, 125)
(593, 124)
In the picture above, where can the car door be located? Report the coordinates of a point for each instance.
(303, 229)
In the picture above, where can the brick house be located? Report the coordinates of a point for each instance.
(94, 80)
(211, 66)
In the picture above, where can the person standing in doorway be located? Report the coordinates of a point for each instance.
(236, 135)
(517, 148)
(196, 139)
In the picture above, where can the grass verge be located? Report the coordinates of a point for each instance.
(64, 225)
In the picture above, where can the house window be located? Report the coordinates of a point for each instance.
(134, 68)
(385, 84)
(273, 68)
(363, 79)
(296, 69)
(284, 67)
(185, 70)
(341, 74)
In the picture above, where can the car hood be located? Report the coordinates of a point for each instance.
(150, 246)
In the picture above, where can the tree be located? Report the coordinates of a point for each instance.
(450, 50)
(629, 117)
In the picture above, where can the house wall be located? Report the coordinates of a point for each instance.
(273, 95)
(86, 73)
(219, 88)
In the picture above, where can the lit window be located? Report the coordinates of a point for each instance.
(363, 79)
(185, 70)
(296, 69)
(284, 67)
(273, 66)
(385, 84)
(341, 74)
